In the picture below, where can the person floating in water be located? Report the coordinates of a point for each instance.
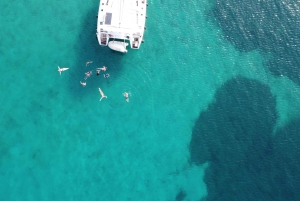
(87, 74)
(106, 75)
(62, 69)
(98, 71)
(88, 62)
(103, 68)
(102, 94)
(83, 83)
(126, 95)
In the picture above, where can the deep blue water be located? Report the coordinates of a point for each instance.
(248, 159)
(271, 26)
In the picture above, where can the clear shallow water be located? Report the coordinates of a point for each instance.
(58, 142)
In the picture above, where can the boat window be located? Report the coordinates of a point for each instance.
(108, 18)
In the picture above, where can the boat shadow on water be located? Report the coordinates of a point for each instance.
(87, 48)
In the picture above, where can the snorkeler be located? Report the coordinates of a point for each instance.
(126, 95)
(62, 69)
(98, 72)
(83, 83)
(88, 62)
(106, 75)
(103, 68)
(102, 94)
(87, 74)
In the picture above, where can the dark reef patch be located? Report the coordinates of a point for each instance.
(287, 152)
(247, 161)
(270, 26)
(180, 196)
(242, 118)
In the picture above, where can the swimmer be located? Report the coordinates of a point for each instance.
(126, 95)
(62, 69)
(102, 94)
(98, 72)
(87, 74)
(88, 62)
(103, 68)
(106, 75)
(83, 83)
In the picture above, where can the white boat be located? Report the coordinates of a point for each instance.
(121, 21)
(118, 46)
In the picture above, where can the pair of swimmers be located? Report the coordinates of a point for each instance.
(100, 69)
(125, 94)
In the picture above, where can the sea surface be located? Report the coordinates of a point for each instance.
(213, 111)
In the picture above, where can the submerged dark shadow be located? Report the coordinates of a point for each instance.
(243, 115)
(88, 48)
(247, 161)
(287, 152)
(180, 196)
(270, 26)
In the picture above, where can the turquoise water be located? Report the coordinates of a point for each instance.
(59, 142)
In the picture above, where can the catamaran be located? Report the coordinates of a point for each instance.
(120, 22)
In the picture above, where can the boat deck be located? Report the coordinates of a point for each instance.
(121, 19)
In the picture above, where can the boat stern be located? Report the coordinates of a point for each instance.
(118, 46)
